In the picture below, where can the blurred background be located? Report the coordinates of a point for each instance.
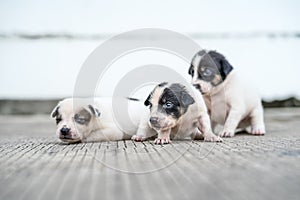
(44, 43)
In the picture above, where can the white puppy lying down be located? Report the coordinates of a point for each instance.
(229, 100)
(86, 120)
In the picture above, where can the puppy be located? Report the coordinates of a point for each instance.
(78, 120)
(175, 113)
(229, 101)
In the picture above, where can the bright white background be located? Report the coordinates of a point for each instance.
(47, 68)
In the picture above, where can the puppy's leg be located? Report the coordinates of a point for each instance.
(213, 125)
(143, 132)
(205, 129)
(197, 135)
(257, 121)
(163, 137)
(231, 124)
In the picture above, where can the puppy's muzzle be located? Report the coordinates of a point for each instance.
(65, 133)
(154, 121)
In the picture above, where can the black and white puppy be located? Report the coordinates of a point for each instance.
(229, 100)
(175, 113)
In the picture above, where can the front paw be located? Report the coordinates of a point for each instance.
(212, 138)
(138, 138)
(162, 141)
(258, 131)
(226, 133)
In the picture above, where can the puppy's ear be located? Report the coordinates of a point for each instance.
(186, 99)
(147, 101)
(225, 67)
(54, 112)
(190, 70)
(95, 111)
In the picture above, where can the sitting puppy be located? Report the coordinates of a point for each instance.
(229, 101)
(79, 121)
(175, 113)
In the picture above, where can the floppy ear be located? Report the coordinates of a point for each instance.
(190, 69)
(225, 67)
(95, 111)
(54, 112)
(186, 99)
(147, 102)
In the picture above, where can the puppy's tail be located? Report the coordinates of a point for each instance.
(133, 99)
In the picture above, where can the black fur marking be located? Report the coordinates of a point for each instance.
(95, 111)
(55, 112)
(58, 119)
(83, 117)
(168, 96)
(223, 65)
(213, 64)
(184, 97)
(191, 70)
(178, 97)
(147, 101)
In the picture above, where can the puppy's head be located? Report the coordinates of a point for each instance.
(208, 70)
(167, 103)
(74, 121)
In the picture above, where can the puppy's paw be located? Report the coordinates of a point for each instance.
(258, 131)
(138, 138)
(226, 133)
(162, 141)
(213, 138)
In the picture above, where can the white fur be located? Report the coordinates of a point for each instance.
(194, 123)
(233, 104)
(102, 128)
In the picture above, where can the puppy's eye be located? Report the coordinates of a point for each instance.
(168, 105)
(79, 119)
(207, 72)
(58, 119)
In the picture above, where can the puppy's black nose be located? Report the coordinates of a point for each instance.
(153, 120)
(197, 86)
(64, 130)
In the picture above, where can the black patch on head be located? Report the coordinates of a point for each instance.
(83, 117)
(223, 65)
(213, 64)
(147, 101)
(175, 100)
(95, 111)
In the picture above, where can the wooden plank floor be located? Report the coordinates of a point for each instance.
(35, 165)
